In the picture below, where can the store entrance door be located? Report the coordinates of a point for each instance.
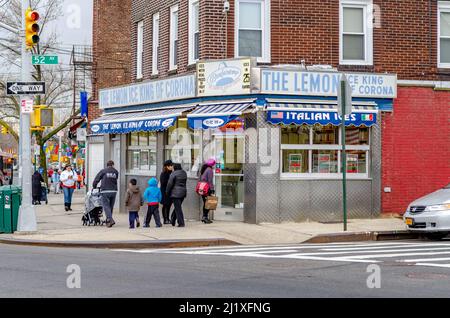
(229, 178)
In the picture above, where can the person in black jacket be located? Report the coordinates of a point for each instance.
(108, 189)
(36, 187)
(166, 201)
(176, 190)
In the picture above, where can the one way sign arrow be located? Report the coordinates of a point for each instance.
(25, 88)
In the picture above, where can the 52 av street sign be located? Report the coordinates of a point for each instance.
(25, 88)
(44, 60)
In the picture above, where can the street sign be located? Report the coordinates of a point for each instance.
(27, 106)
(346, 95)
(25, 88)
(45, 59)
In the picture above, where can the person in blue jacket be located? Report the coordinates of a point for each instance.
(152, 196)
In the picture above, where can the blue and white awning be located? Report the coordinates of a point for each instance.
(123, 123)
(216, 115)
(323, 114)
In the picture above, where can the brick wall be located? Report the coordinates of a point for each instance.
(111, 47)
(415, 146)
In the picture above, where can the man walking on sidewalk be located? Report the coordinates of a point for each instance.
(108, 188)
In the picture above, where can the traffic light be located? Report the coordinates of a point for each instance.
(42, 117)
(31, 28)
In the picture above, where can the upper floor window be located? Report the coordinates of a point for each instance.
(194, 31)
(155, 44)
(356, 32)
(173, 61)
(253, 29)
(444, 34)
(140, 50)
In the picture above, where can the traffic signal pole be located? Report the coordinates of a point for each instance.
(27, 213)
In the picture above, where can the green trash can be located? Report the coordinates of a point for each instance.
(10, 200)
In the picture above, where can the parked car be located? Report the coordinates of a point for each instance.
(430, 214)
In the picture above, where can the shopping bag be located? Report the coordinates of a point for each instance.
(211, 202)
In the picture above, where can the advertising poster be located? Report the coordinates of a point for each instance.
(295, 163)
(324, 163)
(352, 163)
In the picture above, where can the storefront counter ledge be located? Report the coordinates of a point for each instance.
(364, 236)
(121, 244)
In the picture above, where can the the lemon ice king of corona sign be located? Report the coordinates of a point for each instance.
(227, 77)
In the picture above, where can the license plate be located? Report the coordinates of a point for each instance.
(409, 221)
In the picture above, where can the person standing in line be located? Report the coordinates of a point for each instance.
(176, 190)
(152, 196)
(108, 188)
(36, 187)
(56, 180)
(68, 179)
(166, 201)
(133, 202)
(207, 175)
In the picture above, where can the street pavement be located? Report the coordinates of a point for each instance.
(54, 224)
(286, 271)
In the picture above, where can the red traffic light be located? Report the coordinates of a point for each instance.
(32, 16)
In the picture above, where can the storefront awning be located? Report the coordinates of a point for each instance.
(123, 123)
(216, 115)
(323, 114)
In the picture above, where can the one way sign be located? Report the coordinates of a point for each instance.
(25, 88)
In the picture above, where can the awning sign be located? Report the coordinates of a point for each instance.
(307, 117)
(125, 127)
(208, 122)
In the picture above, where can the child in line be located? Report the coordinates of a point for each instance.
(133, 202)
(152, 196)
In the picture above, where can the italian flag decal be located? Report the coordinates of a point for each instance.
(367, 117)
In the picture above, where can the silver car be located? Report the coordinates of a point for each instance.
(430, 214)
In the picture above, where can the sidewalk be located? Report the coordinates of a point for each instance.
(56, 225)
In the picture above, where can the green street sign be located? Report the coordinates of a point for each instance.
(45, 60)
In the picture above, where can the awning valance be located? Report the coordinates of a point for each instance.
(123, 123)
(216, 115)
(323, 114)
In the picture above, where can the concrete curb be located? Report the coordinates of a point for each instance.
(122, 244)
(364, 236)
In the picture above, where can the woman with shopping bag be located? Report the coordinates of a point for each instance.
(205, 188)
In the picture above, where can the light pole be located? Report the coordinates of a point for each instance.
(27, 214)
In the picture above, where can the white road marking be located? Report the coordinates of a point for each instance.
(424, 260)
(433, 265)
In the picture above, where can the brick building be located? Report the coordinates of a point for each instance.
(165, 39)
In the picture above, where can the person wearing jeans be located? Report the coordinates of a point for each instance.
(68, 178)
(108, 188)
(176, 190)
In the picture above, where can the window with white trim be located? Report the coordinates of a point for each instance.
(315, 151)
(141, 153)
(155, 44)
(356, 32)
(140, 50)
(252, 35)
(173, 60)
(444, 35)
(194, 31)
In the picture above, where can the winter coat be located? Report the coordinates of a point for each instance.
(36, 186)
(108, 177)
(68, 183)
(164, 179)
(152, 194)
(208, 176)
(176, 188)
(133, 199)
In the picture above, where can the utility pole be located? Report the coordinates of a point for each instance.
(27, 214)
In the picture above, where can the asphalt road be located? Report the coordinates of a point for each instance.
(330, 270)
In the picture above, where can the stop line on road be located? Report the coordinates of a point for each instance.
(410, 253)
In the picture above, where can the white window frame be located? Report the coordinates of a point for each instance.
(173, 38)
(155, 44)
(367, 6)
(442, 7)
(265, 28)
(325, 176)
(192, 3)
(140, 50)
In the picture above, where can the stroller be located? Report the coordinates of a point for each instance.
(44, 192)
(94, 209)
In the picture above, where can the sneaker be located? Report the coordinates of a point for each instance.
(138, 224)
(146, 226)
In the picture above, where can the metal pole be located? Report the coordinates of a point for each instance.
(59, 153)
(27, 214)
(343, 155)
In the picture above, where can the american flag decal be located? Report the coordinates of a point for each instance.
(276, 115)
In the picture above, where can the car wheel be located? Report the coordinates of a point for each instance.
(436, 236)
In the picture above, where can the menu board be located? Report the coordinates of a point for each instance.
(295, 163)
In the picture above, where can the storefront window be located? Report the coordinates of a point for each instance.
(315, 151)
(182, 145)
(141, 157)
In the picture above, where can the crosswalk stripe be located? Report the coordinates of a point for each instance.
(433, 265)
(396, 255)
(424, 259)
(380, 247)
